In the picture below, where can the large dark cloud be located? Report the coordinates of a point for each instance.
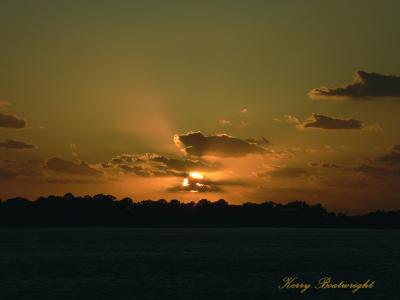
(393, 157)
(195, 143)
(68, 167)
(326, 122)
(285, 172)
(13, 144)
(364, 86)
(154, 165)
(11, 121)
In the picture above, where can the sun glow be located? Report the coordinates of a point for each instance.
(196, 175)
(191, 183)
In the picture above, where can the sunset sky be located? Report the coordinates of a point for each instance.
(265, 100)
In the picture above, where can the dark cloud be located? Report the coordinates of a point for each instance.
(183, 164)
(325, 122)
(323, 165)
(195, 143)
(343, 183)
(319, 121)
(71, 181)
(53, 170)
(285, 172)
(191, 183)
(377, 171)
(393, 157)
(13, 144)
(11, 121)
(154, 165)
(196, 186)
(68, 167)
(30, 168)
(7, 174)
(364, 86)
(261, 142)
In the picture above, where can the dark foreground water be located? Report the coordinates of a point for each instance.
(194, 264)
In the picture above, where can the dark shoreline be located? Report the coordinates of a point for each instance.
(106, 211)
(195, 228)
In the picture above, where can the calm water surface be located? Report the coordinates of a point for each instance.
(193, 264)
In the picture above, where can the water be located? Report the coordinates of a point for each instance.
(194, 264)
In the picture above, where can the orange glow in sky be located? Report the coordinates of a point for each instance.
(196, 175)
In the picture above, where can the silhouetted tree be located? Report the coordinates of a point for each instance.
(106, 210)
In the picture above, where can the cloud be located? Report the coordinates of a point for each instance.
(343, 183)
(393, 157)
(364, 86)
(71, 181)
(373, 127)
(196, 186)
(324, 165)
(13, 144)
(4, 105)
(68, 167)
(74, 150)
(288, 119)
(155, 165)
(224, 122)
(291, 119)
(285, 172)
(11, 121)
(318, 121)
(53, 170)
(261, 142)
(30, 168)
(325, 122)
(222, 145)
(7, 174)
(199, 184)
(377, 171)
(237, 120)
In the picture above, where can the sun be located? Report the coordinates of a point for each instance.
(192, 181)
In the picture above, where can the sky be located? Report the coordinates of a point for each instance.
(265, 100)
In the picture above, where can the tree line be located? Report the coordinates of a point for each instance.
(106, 210)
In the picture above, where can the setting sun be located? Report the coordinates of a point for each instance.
(192, 183)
